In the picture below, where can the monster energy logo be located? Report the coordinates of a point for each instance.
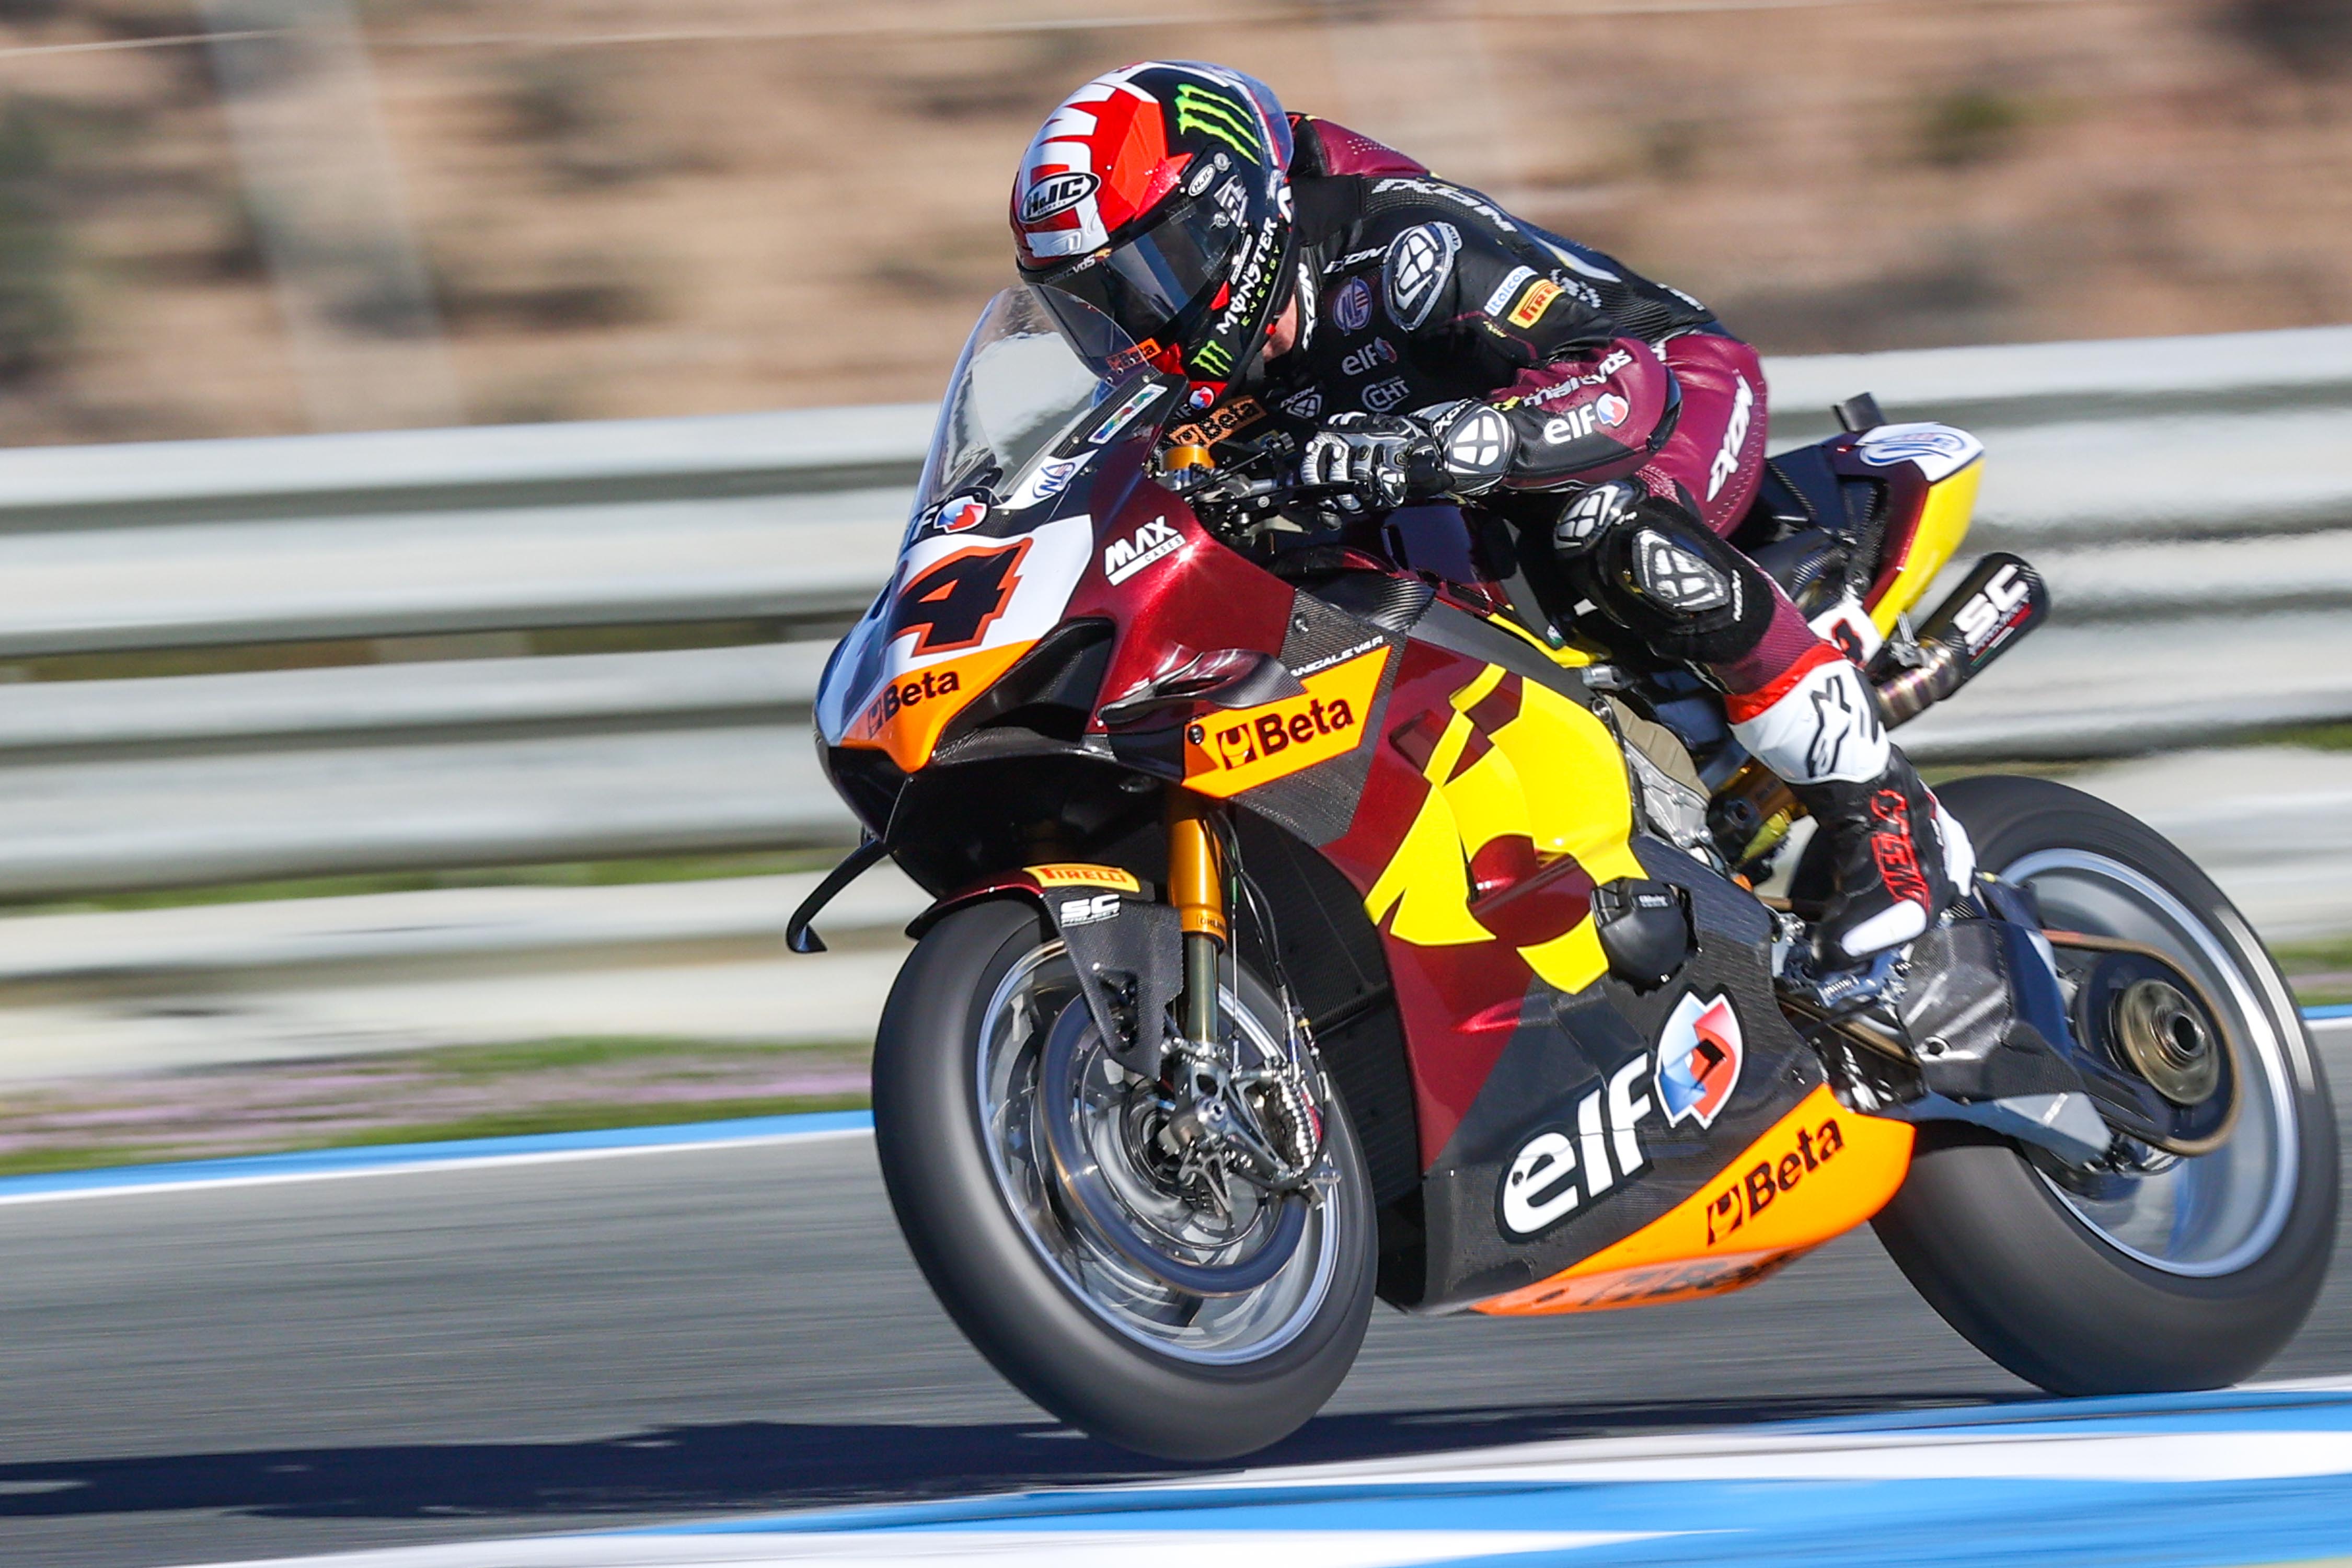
(1215, 359)
(1215, 115)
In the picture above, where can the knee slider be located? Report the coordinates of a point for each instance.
(1667, 578)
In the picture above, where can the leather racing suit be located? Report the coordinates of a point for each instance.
(1546, 370)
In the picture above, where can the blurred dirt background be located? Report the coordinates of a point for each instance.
(618, 208)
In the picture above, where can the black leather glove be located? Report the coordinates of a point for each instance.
(1385, 460)
(1373, 460)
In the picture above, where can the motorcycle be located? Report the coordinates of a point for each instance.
(1316, 921)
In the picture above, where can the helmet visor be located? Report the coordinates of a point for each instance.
(1159, 285)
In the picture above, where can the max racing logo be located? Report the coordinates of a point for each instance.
(1762, 1185)
(1155, 541)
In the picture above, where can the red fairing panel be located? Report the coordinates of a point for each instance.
(1715, 457)
(1347, 152)
(1590, 416)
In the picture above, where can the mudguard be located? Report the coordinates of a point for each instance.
(1126, 949)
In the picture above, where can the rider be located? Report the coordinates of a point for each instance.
(1422, 343)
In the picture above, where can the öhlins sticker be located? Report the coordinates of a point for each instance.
(1226, 753)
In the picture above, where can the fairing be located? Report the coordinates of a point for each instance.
(1430, 796)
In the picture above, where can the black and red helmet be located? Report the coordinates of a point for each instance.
(1159, 195)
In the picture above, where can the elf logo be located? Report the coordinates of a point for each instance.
(1554, 1172)
(1369, 358)
(1154, 540)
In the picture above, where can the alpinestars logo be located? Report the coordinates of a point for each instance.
(1841, 713)
(1698, 1059)
(1418, 262)
(1154, 540)
(1057, 194)
(1542, 1187)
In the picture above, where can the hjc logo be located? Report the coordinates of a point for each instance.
(1057, 194)
(1541, 1188)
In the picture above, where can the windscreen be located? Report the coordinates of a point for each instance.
(1028, 373)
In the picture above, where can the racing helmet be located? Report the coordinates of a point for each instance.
(1158, 194)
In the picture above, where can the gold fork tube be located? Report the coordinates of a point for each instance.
(1196, 886)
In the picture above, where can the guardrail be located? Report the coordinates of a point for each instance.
(2191, 500)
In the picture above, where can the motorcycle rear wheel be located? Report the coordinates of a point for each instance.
(1069, 1322)
(2193, 1274)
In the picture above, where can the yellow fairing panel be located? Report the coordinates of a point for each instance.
(1541, 768)
(1943, 524)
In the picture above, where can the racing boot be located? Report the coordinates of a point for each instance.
(1888, 857)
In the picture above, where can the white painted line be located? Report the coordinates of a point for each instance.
(1040, 1548)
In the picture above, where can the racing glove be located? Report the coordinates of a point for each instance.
(1386, 461)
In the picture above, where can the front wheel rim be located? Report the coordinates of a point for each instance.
(2207, 1214)
(1226, 1330)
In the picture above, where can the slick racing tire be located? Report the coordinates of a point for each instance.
(958, 1104)
(2191, 1272)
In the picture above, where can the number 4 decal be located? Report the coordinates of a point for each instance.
(954, 601)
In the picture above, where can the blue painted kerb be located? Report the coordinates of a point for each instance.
(391, 1156)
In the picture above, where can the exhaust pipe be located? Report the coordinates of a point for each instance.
(1982, 619)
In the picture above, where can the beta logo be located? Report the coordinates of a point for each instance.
(1554, 1172)
(1228, 753)
(1763, 1183)
(1155, 541)
(1056, 193)
(900, 695)
(1698, 1059)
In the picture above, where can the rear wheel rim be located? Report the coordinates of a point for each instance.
(2207, 1214)
(1207, 1330)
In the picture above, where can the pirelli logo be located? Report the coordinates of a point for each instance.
(1077, 874)
(1534, 302)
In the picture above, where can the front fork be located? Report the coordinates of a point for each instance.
(1196, 886)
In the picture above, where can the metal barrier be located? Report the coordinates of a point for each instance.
(2191, 500)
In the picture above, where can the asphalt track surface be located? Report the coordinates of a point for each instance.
(207, 1376)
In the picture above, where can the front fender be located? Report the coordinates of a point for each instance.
(1127, 948)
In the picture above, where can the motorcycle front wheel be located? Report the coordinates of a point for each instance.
(2174, 1272)
(969, 1064)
